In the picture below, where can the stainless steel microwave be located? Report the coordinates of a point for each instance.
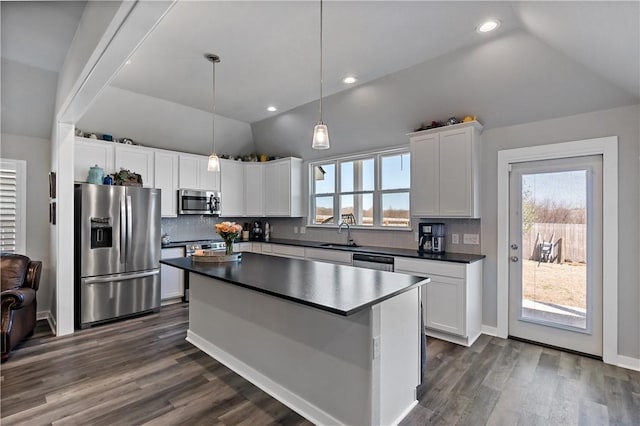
(198, 202)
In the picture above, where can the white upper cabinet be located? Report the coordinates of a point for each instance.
(231, 188)
(166, 179)
(136, 159)
(445, 171)
(88, 153)
(194, 174)
(283, 183)
(254, 194)
(189, 175)
(209, 181)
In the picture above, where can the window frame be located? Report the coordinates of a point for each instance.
(377, 192)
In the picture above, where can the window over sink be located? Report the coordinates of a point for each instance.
(369, 190)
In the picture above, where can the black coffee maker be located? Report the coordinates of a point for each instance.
(431, 237)
(257, 232)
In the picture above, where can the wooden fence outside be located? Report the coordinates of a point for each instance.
(572, 239)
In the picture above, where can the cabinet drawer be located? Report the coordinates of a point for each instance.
(332, 256)
(430, 267)
(287, 251)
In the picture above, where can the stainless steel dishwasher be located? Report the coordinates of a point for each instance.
(371, 261)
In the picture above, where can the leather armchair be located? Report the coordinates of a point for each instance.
(20, 278)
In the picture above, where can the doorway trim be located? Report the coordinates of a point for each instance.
(608, 148)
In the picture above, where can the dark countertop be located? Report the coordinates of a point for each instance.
(339, 289)
(389, 251)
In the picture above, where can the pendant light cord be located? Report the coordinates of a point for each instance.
(321, 61)
(213, 113)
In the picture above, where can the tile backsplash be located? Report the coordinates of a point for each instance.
(190, 227)
(285, 228)
(198, 227)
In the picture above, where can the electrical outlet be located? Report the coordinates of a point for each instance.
(455, 238)
(471, 239)
(303, 230)
(295, 229)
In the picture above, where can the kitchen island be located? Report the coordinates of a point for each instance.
(337, 344)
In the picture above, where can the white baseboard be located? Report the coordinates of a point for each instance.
(282, 394)
(405, 413)
(46, 315)
(628, 362)
(490, 331)
(458, 340)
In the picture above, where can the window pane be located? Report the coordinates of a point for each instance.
(357, 209)
(396, 171)
(324, 179)
(395, 209)
(357, 175)
(324, 210)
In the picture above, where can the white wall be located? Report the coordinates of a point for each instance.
(162, 124)
(28, 99)
(36, 152)
(621, 122)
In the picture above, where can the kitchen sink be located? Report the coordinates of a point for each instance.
(331, 245)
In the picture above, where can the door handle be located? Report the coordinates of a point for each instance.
(514, 258)
(121, 277)
(123, 232)
(129, 230)
(514, 246)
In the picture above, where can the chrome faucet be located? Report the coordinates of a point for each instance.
(349, 239)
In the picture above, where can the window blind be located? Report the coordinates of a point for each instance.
(10, 207)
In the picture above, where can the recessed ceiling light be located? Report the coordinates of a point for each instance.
(128, 62)
(489, 25)
(272, 109)
(349, 80)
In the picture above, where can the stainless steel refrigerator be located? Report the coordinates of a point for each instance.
(117, 252)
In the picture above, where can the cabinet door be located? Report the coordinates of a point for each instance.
(425, 180)
(254, 189)
(166, 179)
(337, 257)
(444, 305)
(189, 173)
(90, 153)
(207, 181)
(136, 160)
(455, 173)
(278, 188)
(171, 279)
(231, 188)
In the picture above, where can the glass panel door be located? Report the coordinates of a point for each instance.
(555, 294)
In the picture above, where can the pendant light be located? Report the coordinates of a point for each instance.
(320, 131)
(214, 162)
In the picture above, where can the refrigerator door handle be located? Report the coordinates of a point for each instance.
(123, 235)
(124, 277)
(129, 229)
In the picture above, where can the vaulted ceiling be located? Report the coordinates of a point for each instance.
(270, 51)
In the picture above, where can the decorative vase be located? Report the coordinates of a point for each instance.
(228, 247)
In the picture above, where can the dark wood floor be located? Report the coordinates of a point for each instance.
(142, 371)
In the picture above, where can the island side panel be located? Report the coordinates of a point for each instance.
(397, 323)
(316, 362)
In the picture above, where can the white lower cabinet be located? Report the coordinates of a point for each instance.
(330, 256)
(294, 252)
(171, 279)
(242, 246)
(452, 301)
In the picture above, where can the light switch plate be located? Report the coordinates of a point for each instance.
(415, 237)
(471, 239)
(303, 230)
(295, 229)
(455, 238)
